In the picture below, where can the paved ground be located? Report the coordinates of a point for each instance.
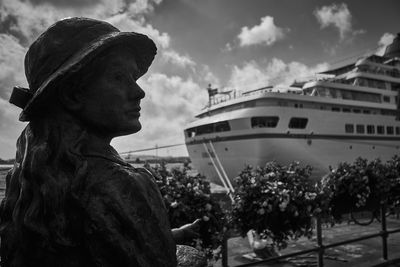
(359, 254)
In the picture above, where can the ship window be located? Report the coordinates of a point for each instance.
(336, 109)
(366, 111)
(298, 123)
(222, 126)
(356, 111)
(346, 110)
(204, 129)
(191, 132)
(380, 129)
(397, 130)
(389, 130)
(349, 128)
(386, 98)
(262, 122)
(360, 128)
(370, 129)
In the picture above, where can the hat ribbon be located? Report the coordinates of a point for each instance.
(20, 96)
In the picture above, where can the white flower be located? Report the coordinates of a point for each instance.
(206, 218)
(282, 206)
(174, 204)
(208, 206)
(261, 211)
(310, 196)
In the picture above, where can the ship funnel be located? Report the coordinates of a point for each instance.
(393, 50)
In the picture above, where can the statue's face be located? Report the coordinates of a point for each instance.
(111, 101)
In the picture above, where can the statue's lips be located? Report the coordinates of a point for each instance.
(134, 112)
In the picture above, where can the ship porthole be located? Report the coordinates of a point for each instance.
(226, 149)
(373, 147)
(309, 142)
(351, 147)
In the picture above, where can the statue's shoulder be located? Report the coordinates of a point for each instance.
(106, 174)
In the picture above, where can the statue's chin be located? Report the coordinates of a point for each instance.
(133, 128)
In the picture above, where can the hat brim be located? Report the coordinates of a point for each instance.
(144, 51)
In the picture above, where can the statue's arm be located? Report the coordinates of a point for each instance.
(186, 232)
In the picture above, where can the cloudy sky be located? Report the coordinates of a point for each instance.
(229, 43)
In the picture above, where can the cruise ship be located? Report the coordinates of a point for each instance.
(339, 115)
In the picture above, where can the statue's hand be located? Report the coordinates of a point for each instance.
(187, 232)
(191, 230)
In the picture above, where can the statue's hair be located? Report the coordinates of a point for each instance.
(39, 214)
(42, 189)
(39, 211)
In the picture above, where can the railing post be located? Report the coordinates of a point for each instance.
(319, 243)
(384, 233)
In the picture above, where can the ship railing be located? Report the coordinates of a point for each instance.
(320, 248)
(236, 94)
(389, 73)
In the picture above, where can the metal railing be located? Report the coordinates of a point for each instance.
(320, 247)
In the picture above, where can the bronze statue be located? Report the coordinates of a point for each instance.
(70, 199)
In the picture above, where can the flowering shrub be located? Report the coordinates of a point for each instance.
(276, 201)
(188, 198)
(358, 185)
(393, 176)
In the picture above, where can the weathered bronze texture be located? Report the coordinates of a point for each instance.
(70, 199)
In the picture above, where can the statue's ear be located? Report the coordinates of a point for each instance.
(71, 99)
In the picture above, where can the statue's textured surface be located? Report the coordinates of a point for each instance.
(70, 199)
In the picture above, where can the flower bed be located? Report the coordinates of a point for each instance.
(361, 185)
(188, 198)
(276, 201)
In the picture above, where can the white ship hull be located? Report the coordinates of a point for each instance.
(323, 143)
(320, 153)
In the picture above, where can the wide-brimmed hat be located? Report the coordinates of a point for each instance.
(66, 47)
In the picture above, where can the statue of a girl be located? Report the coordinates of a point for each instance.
(70, 199)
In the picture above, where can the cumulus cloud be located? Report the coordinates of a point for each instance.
(175, 58)
(386, 39)
(266, 33)
(168, 106)
(11, 64)
(125, 22)
(253, 75)
(65, 3)
(22, 21)
(25, 19)
(207, 77)
(338, 16)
